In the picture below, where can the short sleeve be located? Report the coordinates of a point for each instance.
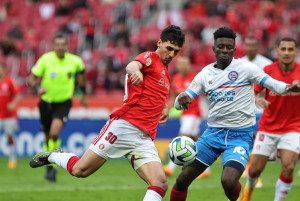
(79, 64)
(145, 58)
(39, 68)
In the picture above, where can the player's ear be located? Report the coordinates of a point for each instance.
(213, 48)
(159, 42)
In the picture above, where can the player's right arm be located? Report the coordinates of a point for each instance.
(37, 71)
(133, 69)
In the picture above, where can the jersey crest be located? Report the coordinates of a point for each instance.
(233, 76)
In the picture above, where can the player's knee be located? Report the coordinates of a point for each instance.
(228, 184)
(288, 168)
(255, 171)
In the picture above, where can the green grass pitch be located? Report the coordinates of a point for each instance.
(116, 181)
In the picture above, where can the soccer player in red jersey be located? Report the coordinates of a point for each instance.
(190, 119)
(10, 96)
(131, 129)
(279, 125)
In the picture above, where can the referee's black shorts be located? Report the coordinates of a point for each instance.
(49, 111)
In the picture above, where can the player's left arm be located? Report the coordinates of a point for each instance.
(133, 69)
(258, 76)
(164, 115)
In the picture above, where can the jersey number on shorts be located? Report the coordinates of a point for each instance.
(111, 138)
(239, 150)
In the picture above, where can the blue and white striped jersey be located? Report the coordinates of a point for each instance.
(230, 93)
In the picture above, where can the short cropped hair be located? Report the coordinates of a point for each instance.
(174, 34)
(289, 39)
(59, 36)
(224, 32)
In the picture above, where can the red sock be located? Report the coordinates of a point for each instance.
(234, 195)
(71, 163)
(178, 195)
(285, 179)
(158, 190)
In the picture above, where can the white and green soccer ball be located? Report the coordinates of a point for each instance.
(182, 150)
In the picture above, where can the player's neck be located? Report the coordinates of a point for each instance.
(251, 58)
(286, 68)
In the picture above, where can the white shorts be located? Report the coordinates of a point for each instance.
(265, 143)
(120, 138)
(9, 126)
(190, 125)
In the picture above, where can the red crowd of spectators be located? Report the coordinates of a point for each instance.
(108, 34)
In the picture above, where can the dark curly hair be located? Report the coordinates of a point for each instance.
(224, 32)
(174, 34)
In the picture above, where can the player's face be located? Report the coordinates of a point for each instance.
(251, 47)
(287, 51)
(60, 47)
(167, 51)
(183, 65)
(224, 50)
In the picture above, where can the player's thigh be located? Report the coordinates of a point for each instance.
(153, 173)
(190, 125)
(88, 164)
(290, 141)
(61, 110)
(10, 126)
(265, 144)
(118, 138)
(288, 159)
(45, 110)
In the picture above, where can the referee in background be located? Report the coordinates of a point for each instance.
(57, 70)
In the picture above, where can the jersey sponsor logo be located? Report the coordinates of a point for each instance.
(162, 82)
(149, 61)
(233, 75)
(52, 75)
(4, 87)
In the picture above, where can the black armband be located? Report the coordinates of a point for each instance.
(82, 89)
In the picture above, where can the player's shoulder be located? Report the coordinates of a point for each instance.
(73, 56)
(264, 59)
(47, 55)
(271, 67)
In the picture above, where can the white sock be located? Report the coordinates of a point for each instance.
(152, 196)
(250, 180)
(281, 190)
(172, 165)
(60, 159)
(12, 152)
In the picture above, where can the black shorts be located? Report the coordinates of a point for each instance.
(49, 111)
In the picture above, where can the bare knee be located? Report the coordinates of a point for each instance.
(255, 171)
(229, 185)
(164, 184)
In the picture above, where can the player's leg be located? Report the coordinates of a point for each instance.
(263, 148)
(205, 158)
(153, 174)
(231, 174)
(9, 127)
(187, 175)
(289, 150)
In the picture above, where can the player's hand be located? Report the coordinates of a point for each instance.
(83, 100)
(41, 91)
(184, 100)
(262, 103)
(164, 115)
(136, 78)
(293, 88)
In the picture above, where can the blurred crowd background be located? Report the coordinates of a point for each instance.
(107, 34)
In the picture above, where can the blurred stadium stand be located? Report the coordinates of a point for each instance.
(109, 33)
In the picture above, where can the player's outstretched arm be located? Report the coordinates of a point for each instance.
(182, 101)
(134, 70)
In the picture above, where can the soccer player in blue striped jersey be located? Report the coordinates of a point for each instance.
(228, 85)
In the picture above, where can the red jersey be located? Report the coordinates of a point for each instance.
(283, 114)
(143, 104)
(8, 89)
(179, 84)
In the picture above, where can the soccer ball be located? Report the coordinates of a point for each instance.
(182, 150)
